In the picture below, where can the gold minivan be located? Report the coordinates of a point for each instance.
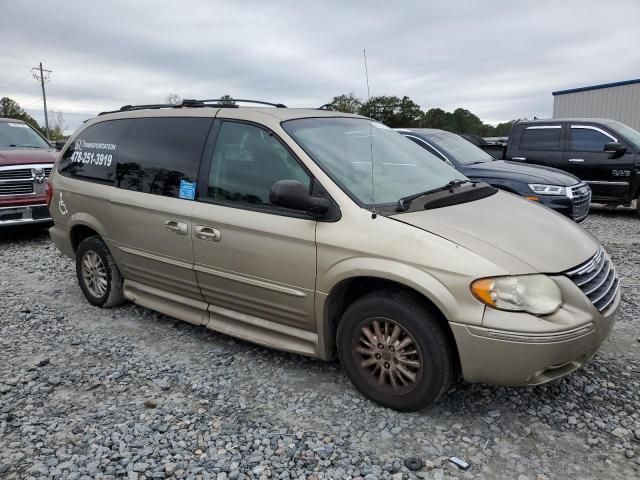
(323, 233)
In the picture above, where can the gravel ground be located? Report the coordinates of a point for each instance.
(90, 393)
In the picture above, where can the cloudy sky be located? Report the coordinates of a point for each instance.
(499, 59)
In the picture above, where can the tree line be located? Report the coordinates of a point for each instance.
(394, 111)
(11, 109)
(402, 112)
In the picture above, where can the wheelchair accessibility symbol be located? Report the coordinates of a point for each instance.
(62, 206)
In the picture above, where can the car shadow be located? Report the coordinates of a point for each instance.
(23, 233)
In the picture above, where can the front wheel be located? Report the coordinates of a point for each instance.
(98, 274)
(395, 351)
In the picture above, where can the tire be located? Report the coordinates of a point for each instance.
(93, 255)
(419, 326)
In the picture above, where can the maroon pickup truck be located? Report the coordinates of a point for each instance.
(26, 159)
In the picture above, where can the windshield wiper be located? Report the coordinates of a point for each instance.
(405, 202)
(24, 146)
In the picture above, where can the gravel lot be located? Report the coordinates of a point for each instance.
(90, 393)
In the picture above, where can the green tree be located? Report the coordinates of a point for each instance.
(437, 118)
(57, 126)
(173, 99)
(347, 103)
(503, 129)
(11, 109)
(466, 122)
(393, 111)
(227, 100)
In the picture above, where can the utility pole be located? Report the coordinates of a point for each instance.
(39, 74)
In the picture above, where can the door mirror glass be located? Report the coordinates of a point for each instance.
(615, 149)
(59, 144)
(294, 195)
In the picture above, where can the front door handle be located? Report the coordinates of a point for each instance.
(208, 233)
(174, 226)
(576, 160)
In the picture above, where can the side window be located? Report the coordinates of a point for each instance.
(246, 162)
(93, 154)
(541, 138)
(587, 140)
(162, 156)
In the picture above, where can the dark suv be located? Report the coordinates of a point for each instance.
(603, 153)
(551, 187)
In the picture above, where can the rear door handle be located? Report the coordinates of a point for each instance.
(522, 159)
(174, 226)
(576, 160)
(208, 233)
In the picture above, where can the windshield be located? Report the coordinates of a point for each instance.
(345, 147)
(462, 151)
(17, 134)
(627, 132)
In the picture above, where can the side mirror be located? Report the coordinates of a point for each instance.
(59, 144)
(615, 149)
(293, 194)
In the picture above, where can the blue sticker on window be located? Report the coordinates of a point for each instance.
(187, 190)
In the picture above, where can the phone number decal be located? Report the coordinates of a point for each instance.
(91, 158)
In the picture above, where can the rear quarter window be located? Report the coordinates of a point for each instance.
(541, 138)
(93, 154)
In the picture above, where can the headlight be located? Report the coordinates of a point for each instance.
(547, 189)
(536, 294)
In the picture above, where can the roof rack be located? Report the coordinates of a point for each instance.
(190, 103)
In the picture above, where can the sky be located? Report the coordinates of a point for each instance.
(499, 59)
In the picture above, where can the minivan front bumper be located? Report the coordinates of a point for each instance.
(508, 357)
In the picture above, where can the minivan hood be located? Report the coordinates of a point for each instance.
(518, 235)
(27, 156)
(519, 172)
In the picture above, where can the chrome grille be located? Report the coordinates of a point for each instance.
(581, 199)
(24, 179)
(17, 174)
(16, 188)
(597, 279)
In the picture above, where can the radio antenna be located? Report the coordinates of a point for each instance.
(373, 188)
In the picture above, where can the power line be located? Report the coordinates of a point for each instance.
(43, 75)
(32, 103)
(10, 84)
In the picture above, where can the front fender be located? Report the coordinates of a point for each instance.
(403, 274)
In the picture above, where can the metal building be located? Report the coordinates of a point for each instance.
(617, 101)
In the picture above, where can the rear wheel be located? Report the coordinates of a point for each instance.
(395, 351)
(98, 274)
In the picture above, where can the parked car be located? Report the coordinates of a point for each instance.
(26, 159)
(551, 187)
(603, 153)
(494, 148)
(319, 232)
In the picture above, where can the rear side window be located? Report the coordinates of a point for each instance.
(541, 138)
(162, 156)
(93, 154)
(585, 139)
(247, 161)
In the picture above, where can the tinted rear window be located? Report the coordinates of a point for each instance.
(162, 156)
(541, 138)
(93, 154)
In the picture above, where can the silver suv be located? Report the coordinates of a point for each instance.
(320, 233)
